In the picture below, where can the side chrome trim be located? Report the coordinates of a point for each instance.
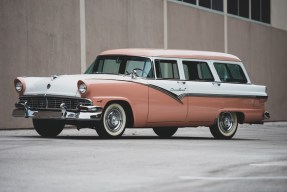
(178, 98)
(225, 95)
(169, 93)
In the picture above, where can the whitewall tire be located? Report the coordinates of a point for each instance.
(225, 126)
(113, 122)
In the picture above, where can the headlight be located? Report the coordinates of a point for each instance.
(19, 86)
(82, 88)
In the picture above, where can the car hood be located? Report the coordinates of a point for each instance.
(63, 84)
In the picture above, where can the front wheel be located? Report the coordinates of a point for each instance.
(165, 132)
(225, 126)
(48, 128)
(113, 122)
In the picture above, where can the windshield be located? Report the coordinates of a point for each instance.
(122, 65)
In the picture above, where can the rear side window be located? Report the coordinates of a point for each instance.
(197, 71)
(231, 73)
(166, 69)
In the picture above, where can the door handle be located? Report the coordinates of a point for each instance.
(181, 82)
(216, 83)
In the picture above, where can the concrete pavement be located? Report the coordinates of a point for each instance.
(255, 160)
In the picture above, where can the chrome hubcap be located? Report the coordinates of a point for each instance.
(226, 122)
(114, 119)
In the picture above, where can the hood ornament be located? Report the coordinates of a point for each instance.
(54, 77)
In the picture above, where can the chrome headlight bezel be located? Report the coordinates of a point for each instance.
(82, 88)
(19, 87)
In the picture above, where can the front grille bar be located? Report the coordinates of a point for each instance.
(53, 102)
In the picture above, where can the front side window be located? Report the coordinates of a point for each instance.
(122, 65)
(197, 71)
(232, 73)
(143, 68)
(166, 69)
(111, 66)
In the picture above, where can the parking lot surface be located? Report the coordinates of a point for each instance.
(254, 160)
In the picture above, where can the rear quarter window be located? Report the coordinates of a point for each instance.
(230, 73)
(197, 71)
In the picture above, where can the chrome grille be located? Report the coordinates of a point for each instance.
(52, 102)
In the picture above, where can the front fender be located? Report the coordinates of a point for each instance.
(101, 92)
(103, 100)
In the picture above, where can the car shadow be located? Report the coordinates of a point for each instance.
(87, 137)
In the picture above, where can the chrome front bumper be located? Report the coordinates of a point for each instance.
(83, 113)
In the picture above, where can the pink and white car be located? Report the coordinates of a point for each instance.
(141, 88)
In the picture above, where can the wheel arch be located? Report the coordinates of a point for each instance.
(128, 109)
(239, 114)
(240, 117)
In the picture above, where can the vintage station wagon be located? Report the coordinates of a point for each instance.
(145, 88)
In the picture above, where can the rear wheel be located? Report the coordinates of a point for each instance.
(48, 128)
(225, 126)
(113, 122)
(165, 132)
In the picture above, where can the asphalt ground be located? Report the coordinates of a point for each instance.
(254, 160)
